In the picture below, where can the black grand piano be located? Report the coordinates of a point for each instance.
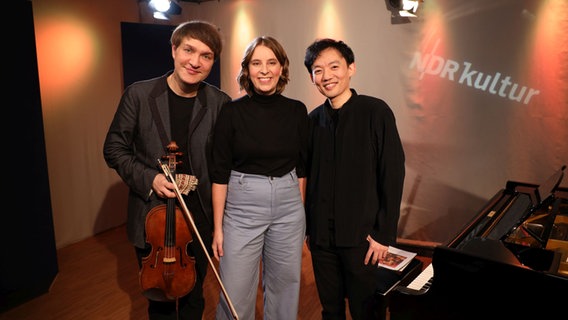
(510, 260)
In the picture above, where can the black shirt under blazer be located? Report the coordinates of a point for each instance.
(133, 145)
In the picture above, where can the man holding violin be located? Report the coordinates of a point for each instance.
(178, 106)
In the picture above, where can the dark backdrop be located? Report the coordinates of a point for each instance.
(146, 53)
(28, 265)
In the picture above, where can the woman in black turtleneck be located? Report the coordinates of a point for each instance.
(258, 175)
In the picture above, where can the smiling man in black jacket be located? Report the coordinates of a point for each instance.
(354, 188)
(177, 106)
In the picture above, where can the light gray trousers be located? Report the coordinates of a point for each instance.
(264, 218)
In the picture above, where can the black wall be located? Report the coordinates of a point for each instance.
(28, 264)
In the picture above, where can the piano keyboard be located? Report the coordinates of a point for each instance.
(424, 279)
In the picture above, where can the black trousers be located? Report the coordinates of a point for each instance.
(340, 274)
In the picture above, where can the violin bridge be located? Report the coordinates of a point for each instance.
(169, 259)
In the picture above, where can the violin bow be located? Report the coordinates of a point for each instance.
(168, 173)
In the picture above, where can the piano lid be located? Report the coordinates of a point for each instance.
(515, 247)
(545, 190)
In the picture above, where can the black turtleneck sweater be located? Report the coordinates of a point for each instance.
(265, 135)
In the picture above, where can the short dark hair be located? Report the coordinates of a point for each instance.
(203, 31)
(319, 45)
(244, 77)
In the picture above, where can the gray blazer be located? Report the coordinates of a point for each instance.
(133, 145)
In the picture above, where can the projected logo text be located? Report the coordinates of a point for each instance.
(465, 74)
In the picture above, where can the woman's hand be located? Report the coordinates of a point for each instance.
(217, 244)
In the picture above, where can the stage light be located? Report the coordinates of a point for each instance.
(402, 10)
(160, 5)
(163, 9)
(160, 15)
(409, 8)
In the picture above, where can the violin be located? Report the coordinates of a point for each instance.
(168, 272)
(159, 268)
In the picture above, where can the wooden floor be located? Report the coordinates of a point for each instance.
(98, 279)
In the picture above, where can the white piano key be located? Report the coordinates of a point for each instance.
(424, 278)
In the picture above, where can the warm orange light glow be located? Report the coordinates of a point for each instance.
(546, 61)
(66, 54)
(433, 41)
(328, 22)
(243, 33)
(548, 55)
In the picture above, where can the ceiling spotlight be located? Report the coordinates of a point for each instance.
(402, 10)
(160, 5)
(409, 8)
(160, 15)
(162, 9)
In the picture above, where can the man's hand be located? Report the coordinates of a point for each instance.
(376, 251)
